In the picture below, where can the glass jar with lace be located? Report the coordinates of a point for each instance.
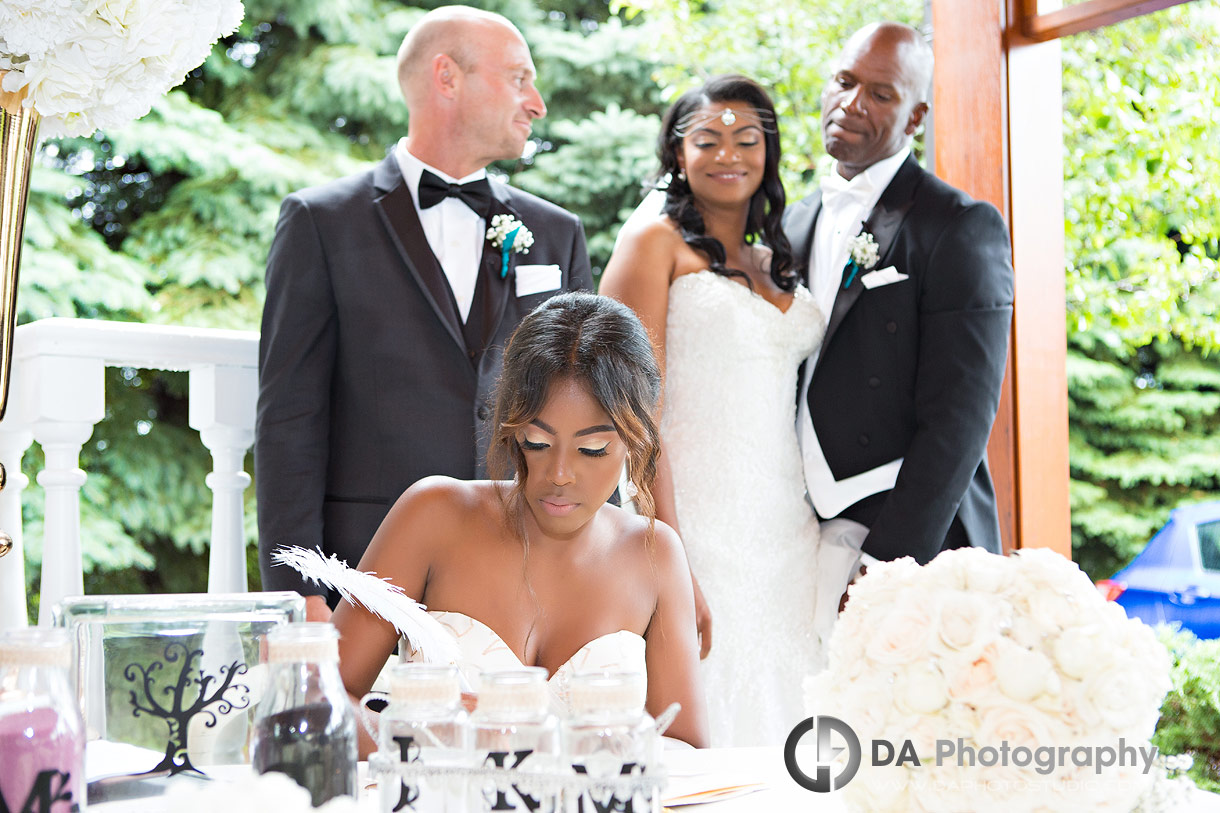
(513, 730)
(424, 741)
(42, 734)
(611, 740)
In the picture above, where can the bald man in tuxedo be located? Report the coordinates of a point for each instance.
(388, 307)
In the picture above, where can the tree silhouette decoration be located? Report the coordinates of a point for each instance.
(177, 713)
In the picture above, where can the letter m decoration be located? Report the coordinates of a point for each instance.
(49, 789)
(190, 693)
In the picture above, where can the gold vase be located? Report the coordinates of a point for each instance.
(18, 137)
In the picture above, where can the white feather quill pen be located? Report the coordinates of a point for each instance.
(379, 596)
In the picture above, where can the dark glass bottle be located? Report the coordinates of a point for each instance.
(305, 726)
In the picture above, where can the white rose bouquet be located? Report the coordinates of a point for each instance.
(976, 658)
(85, 64)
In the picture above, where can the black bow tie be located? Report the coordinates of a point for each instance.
(433, 189)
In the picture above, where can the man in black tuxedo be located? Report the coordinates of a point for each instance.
(895, 410)
(389, 304)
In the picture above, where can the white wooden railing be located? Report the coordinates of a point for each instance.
(57, 395)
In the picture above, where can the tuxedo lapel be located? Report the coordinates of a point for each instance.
(397, 212)
(884, 223)
(891, 210)
(799, 229)
(843, 302)
(491, 290)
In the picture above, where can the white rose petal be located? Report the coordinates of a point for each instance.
(1117, 695)
(879, 789)
(966, 620)
(967, 678)
(902, 637)
(1079, 650)
(920, 689)
(1021, 673)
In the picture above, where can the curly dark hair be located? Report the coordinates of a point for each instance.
(601, 344)
(767, 204)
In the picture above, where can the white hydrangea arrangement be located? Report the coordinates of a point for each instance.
(981, 650)
(88, 64)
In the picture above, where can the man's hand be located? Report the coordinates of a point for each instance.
(843, 600)
(316, 609)
(703, 619)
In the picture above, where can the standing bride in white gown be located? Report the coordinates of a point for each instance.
(714, 280)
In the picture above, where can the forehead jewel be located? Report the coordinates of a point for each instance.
(728, 116)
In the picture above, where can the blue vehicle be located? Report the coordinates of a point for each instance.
(1176, 579)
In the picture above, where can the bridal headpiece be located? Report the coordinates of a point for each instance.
(728, 116)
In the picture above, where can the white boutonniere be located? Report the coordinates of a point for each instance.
(864, 254)
(509, 234)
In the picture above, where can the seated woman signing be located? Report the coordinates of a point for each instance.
(539, 569)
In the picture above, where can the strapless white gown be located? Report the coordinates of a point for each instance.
(729, 430)
(483, 650)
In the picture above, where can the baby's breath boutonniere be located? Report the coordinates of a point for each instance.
(509, 234)
(864, 255)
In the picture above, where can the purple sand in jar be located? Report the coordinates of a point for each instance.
(306, 744)
(42, 761)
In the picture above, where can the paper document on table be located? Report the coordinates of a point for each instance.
(705, 795)
(105, 759)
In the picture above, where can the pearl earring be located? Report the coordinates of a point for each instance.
(681, 175)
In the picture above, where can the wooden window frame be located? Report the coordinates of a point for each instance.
(1080, 17)
(998, 121)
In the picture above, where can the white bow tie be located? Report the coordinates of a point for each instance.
(837, 190)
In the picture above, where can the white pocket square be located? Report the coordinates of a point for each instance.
(883, 276)
(535, 279)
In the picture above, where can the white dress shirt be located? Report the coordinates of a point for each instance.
(845, 206)
(455, 232)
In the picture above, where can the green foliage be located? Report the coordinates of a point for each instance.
(1145, 438)
(1190, 715)
(1140, 135)
(1143, 286)
(600, 168)
(169, 220)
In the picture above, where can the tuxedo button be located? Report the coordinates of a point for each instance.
(863, 439)
(473, 353)
(874, 382)
(891, 327)
(482, 412)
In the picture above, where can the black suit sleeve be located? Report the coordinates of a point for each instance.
(580, 277)
(296, 361)
(965, 316)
